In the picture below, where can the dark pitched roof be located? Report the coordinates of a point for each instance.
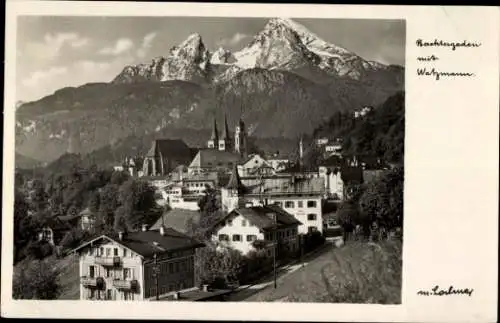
(208, 158)
(178, 219)
(215, 132)
(235, 181)
(260, 216)
(147, 243)
(226, 134)
(168, 147)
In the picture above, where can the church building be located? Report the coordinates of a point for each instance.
(226, 142)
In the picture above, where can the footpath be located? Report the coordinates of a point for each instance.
(245, 291)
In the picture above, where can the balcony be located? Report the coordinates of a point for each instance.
(125, 284)
(108, 261)
(93, 282)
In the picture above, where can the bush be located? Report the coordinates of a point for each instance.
(74, 238)
(312, 240)
(39, 250)
(35, 280)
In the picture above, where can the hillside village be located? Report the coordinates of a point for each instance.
(153, 228)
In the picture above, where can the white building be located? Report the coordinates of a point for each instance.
(121, 267)
(178, 197)
(242, 227)
(300, 197)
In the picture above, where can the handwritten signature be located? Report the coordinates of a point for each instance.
(437, 291)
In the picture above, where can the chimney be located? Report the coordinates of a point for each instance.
(144, 227)
(177, 295)
(205, 288)
(121, 235)
(162, 230)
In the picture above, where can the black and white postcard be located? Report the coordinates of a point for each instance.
(281, 162)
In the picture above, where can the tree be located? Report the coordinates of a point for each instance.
(35, 280)
(137, 203)
(24, 230)
(382, 200)
(218, 267)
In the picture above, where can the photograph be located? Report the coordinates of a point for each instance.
(203, 158)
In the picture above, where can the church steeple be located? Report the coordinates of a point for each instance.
(225, 134)
(225, 142)
(235, 181)
(215, 132)
(214, 138)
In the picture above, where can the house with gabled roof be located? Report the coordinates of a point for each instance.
(300, 196)
(268, 225)
(137, 265)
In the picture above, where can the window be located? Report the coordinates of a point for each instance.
(116, 251)
(300, 204)
(236, 237)
(126, 273)
(278, 204)
(183, 266)
(287, 233)
(311, 203)
(109, 294)
(289, 204)
(91, 251)
(311, 217)
(101, 251)
(267, 236)
(124, 252)
(108, 252)
(243, 223)
(91, 271)
(223, 237)
(229, 223)
(176, 267)
(108, 272)
(251, 237)
(170, 267)
(311, 229)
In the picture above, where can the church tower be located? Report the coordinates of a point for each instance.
(225, 143)
(240, 139)
(232, 194)
(214, 138)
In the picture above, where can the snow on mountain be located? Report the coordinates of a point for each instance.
(282, 44)
(188, 61)
(222, 56)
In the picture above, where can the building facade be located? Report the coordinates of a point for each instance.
(268, 225)
(300, 197)
(128, 265)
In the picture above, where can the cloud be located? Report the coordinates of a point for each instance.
(42, 76)
(122, 45)
(52, 45)
(233, 41)
(147, 42)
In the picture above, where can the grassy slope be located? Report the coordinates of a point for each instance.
(356, 273)
(69, 278)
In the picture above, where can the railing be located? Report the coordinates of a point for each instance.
(96, 282)
(108, 261)
(125, 284)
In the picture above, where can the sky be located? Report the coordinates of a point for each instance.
(56, 52)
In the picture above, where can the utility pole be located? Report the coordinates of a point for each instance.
(156, 272)
(275, 249)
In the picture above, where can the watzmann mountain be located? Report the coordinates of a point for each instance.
(284, 82)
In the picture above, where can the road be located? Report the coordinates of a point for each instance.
(245, 291)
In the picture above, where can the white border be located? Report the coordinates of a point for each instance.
(451, 184)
